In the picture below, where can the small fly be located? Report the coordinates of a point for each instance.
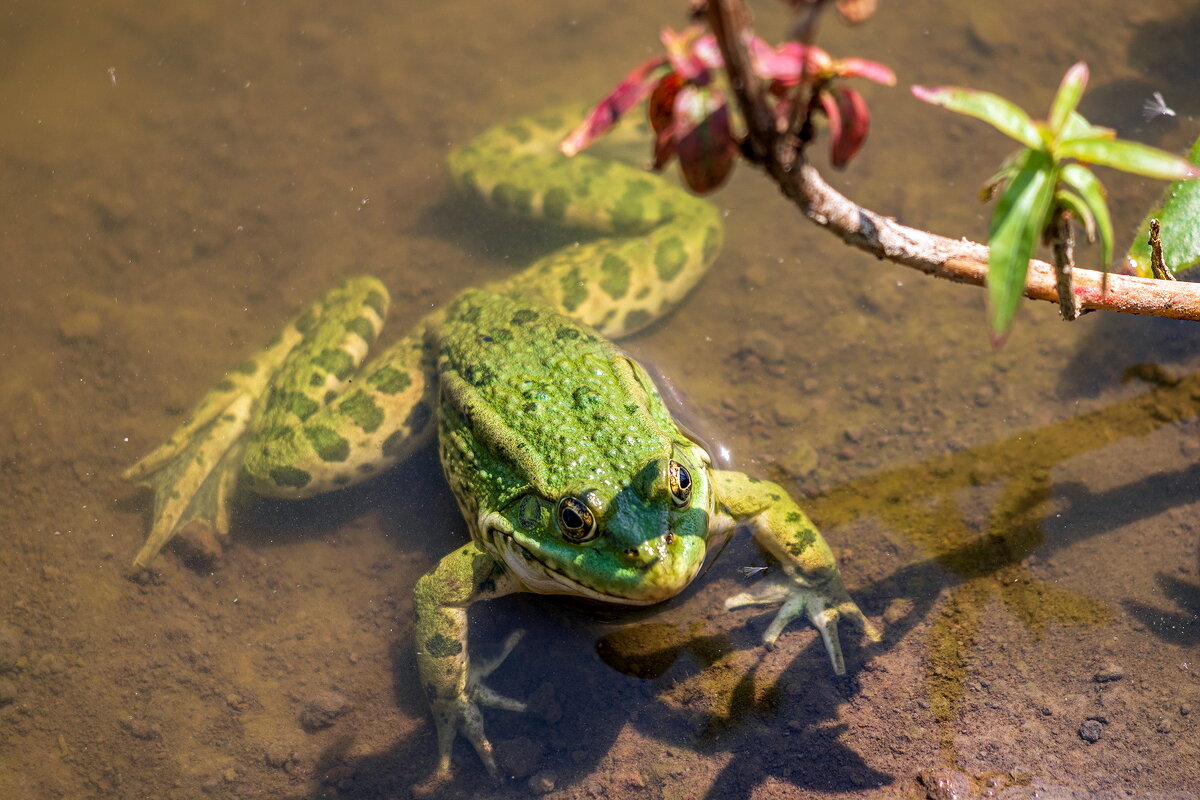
(750, 571)
(1156, 106)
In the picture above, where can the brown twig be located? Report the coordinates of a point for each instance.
(1062, 241)
(959, 260)
(1157, 265)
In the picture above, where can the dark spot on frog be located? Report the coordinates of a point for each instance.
(498, 335)
(523, 315)
(441, 646)
(637, 319)
(418, 418)
(566, 333)
(478, 375)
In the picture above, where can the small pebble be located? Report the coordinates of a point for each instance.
(1108, 673)
(8, 692)
(1184, 710)
(140, 729)
(84, 325)
(279, 754)
(1163, 726)
(543, 782)
(322, 709)
(1091, 730)
(519, 756)
(10, 648)
(946, 784)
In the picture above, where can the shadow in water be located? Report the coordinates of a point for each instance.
(1180, 627)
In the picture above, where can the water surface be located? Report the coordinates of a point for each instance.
(176, 181)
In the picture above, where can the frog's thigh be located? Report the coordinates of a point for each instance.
(355, 431)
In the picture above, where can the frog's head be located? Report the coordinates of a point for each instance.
(636, 543)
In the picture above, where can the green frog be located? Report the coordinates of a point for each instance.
(567, 465)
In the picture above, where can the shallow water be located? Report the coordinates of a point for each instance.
(175, 182)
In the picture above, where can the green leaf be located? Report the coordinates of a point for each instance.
(1002, 114)
(1076, 127)
(1072, 202)
(1085, 182)
(1021, 216)
(1141, 159)
(1067, 97)
(1178, 213)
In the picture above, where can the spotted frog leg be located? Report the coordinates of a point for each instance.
(810, 584)
(452, 680)
(288, 423)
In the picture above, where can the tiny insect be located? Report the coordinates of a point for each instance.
(748, 571)
(112, 75)
(1156, 106)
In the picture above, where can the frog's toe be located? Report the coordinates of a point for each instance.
(472, 728)
(825, 620)
(823, 606)
(493, 699)
(850, 610)
(463, 715)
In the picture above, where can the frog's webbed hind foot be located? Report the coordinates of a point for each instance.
(823, 605)
(193, 477)
(463, 713)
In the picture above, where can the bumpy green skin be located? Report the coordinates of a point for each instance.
(532, 404)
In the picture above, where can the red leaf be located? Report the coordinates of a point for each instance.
(862, 68)
(609, 111)
(661, 110)
(830, 106)
(703, 138)
(661, 107)
(856, 120)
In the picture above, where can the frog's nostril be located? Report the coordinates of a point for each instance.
(669, 537)
(632, 552)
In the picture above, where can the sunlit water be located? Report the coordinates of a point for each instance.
(176, 181)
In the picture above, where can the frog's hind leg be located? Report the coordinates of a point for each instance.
(327, 424)
(193, 473)
(287, 401)
(656, 240)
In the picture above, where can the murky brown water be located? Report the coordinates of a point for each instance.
(174, 182)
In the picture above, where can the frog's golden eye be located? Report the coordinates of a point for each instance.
(576, 521)
(679, 482)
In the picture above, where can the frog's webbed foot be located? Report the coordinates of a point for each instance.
(193, 475)
(824, 605)
(463, 713)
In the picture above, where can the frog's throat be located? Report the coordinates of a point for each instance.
(539, 577)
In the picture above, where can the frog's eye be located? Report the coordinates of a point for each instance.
(576, 521)
(679, 482)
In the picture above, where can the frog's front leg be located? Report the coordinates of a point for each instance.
(811, 584)
(453, 683)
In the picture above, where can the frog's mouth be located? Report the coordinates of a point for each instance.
(535, 575)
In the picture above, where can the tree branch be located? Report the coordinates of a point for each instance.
(959, 260)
